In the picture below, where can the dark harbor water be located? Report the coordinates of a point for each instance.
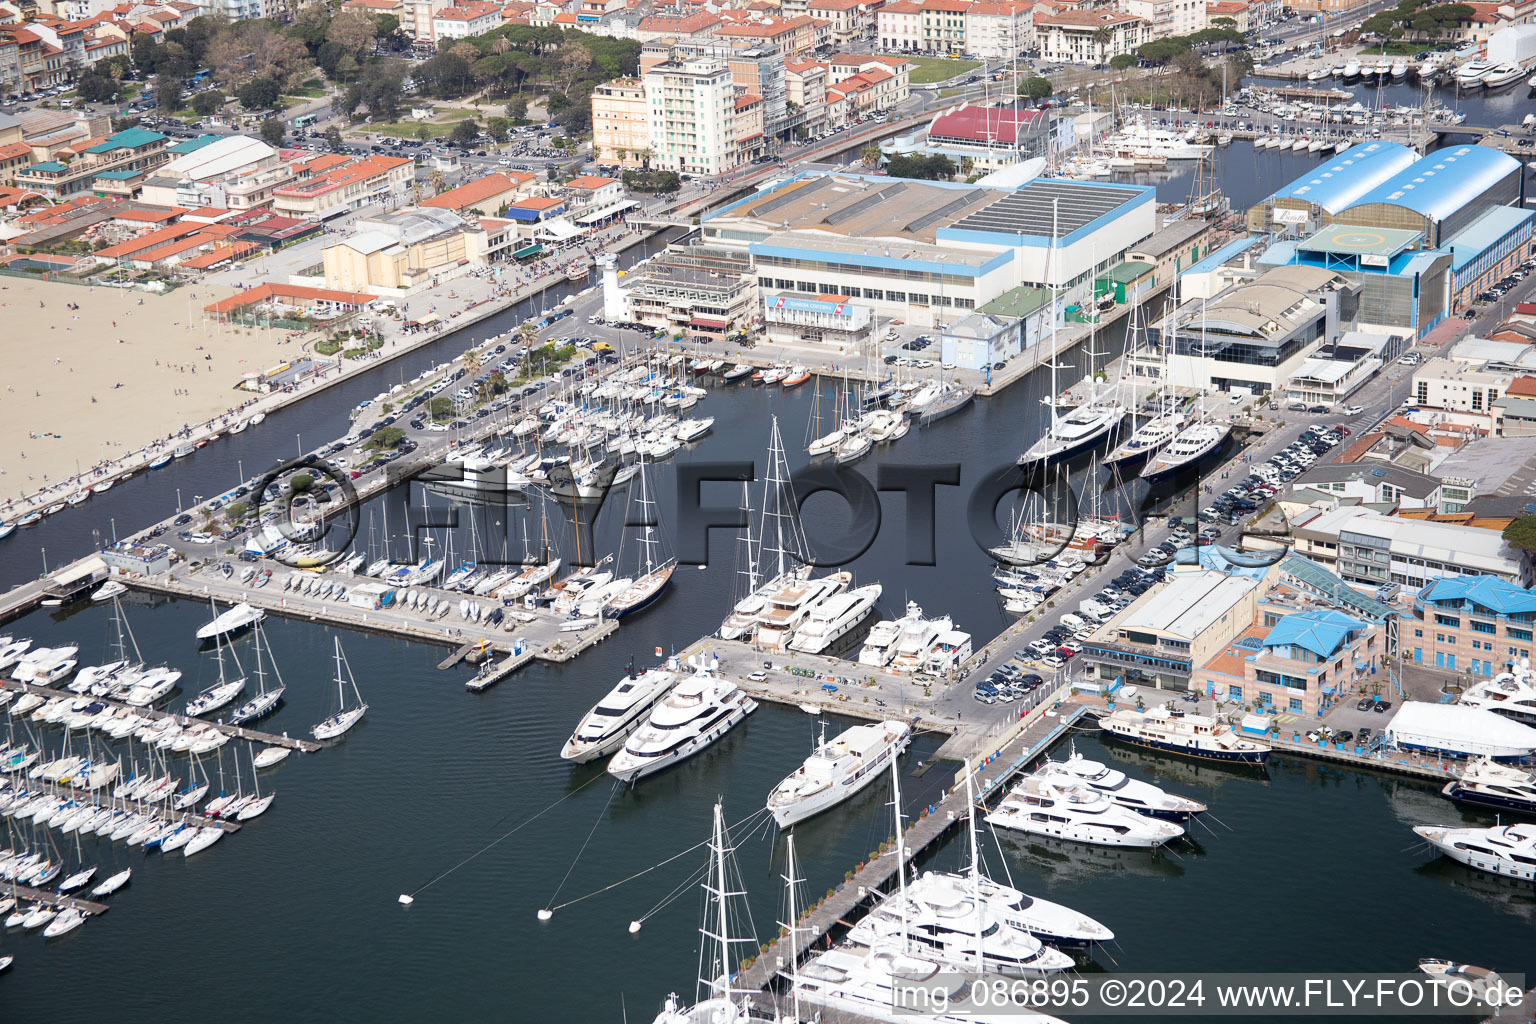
(295, 918)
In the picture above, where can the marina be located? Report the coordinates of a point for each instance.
(495, 709)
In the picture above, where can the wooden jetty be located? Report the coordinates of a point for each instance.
(53, 899)
(234, 731)
(462, 653)
(160, 810)
(845, 904)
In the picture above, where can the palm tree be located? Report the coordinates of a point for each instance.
(471, 361)
(870, 155)
(436, 181)
(502, 45)
(645, 156)
(1102, 37)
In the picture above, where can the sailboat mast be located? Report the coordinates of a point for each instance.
(1055, 310)
(970, 828)
(901, 852)
(792, 923)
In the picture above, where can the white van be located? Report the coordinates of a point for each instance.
(1073, 622)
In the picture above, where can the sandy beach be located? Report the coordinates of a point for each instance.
(125, 369)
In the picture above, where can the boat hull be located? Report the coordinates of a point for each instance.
(630, 772)
(1252, 757)
(792, 814)
(1455, 791)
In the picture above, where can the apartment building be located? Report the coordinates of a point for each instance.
(1088, 36)
(852, 21)
(998, 31)
(692, 26)
(1168, 17)
(331, 184)
(132, 150)
(943, 25)
(1470, 624)
(899, 25)
(1373, 550)
(621, 133)
(464, 20)
(692, 116)
(805, 92)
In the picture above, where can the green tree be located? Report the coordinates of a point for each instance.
(1036, 88)
(498, 127)
(168, 92)
(259, 94)
(206, 103)
(465, 132)
(333, 138)
(423, 133)
(517, 108)
(272, 131)
(932, 168)
(1521, 534)
(870, 156)
(96, 88)
(1121, 61)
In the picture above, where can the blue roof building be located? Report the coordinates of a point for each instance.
(1320, 633)
(1336, 184)
(1486, 250)
(1439, 194)
(1480, 595)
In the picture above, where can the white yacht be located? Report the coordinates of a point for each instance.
(1047, 807)
(1511, 694)
(743, 618)
(792, 607)
(1484, 781)
(1471, 74)
(880, 645)
(1178, 733)
(838, 769)
(1194, 443)
(1147, 440)
(917, 641)
(1079, 430)
(473, 476)
(1508, 850)
(833, 618)
(945, 925)
(700, 710)
(231, 621)
(1501, 75)
(604, 729)
(1132, 794)
(1052, 923)
(1351, 69)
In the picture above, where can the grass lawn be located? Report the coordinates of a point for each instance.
(309, 94)
(927, 70)
(406, 129)
(454, 113)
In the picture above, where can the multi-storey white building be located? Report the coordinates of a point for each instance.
(1088, 37)
(1000, 30)
(1166, 18)
(692, 109)
(899, 25)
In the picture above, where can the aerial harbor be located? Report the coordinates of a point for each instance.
(740, 512)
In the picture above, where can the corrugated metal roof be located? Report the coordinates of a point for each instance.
(1344, 179)
(1442, 182)
(1479, 236)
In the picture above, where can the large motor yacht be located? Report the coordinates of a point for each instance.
(1508, 850)
(703, 708)
(1178, 733)
(1485, 781)
(743, 619)
(1147, 440)
(792, 606)
(838, 769)
(1046, 807)
(834, 618)
(1132, 794)
(1194, 443)
(1511, 694)
(604, 729)
(880, 645)
(1049, 922)
(1088, 425)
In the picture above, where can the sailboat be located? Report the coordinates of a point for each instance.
(265, 699)
(1150, 436)
(258, 804)
(652, 576)
(1194, 443)
(345, 718)
(1086, 426)
(718, 1002)
(220, 693)
(789, 547)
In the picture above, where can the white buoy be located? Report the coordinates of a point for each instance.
(406, 901)
(634, 926)
(545, 915)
